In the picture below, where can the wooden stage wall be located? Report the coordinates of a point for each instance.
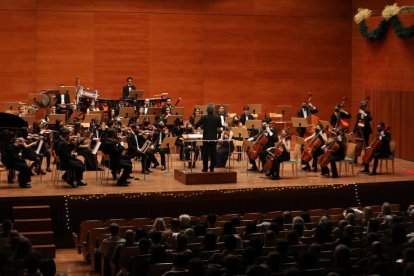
(106, 206)
(252, 51)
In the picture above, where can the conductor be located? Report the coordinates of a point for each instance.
(211, 125)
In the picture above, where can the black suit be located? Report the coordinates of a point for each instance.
(69, 161)
(126, 89)
(147, 158)
(117, 161)
(243, 118)
(211, 125)
(66, 101)
(14, 161)
(367, 129)
(156, 142)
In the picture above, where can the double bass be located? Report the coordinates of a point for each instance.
(312, 120)
(341, 121)
(369, 151)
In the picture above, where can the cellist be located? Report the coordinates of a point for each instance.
(271, 140)
(380, 147)
(284, 156)
(334, 152)
(316, 141)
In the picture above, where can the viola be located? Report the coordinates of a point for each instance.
(369, 151)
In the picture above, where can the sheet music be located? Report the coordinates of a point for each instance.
(96, 148)
(39, 147)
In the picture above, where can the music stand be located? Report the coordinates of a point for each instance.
(229, 120)
(283, 109)
(171, 119)
(154, 111)
(203, 108)
(255, 108)
(299, 122)
(124, 122)
(151, 119)
(54, 117)
(71, 90)
(254, 124)
(13, 107)
(168, 143)
(34, 98)
(177, 110)
(240, 132)
(90, 117)
(136, 94)
(96, 112)
(127, 112)
(325, 124)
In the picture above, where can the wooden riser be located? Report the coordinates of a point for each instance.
(31, 212)
(46, 250)
(39, 238)
(33, 225)
(197, 177)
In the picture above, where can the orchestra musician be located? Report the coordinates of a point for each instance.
(196, 112)
(92, 107)
(222, 114)
(380, 147)
(63, 104)
(191, 147)
(147, 105)
(226, 146)
(363, 122)
(317, 151)
(336, 151)
(246, 115)
(135, 142)
(212, 126)
(168, 103)
(127, 88)
(338, 115)
(40, 131)
(159, 136)
(271, 140)
(13, 161)
(306, 110)
(65, 148)
(83, 147)
(284, 156)
(22, 112)
(28, 152)
(178, 131)
(117, 161)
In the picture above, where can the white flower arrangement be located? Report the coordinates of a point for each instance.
(361, 15)
(390, 11)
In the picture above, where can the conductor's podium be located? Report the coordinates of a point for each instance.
(196, 177)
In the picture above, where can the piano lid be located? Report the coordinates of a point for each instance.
(11, 121)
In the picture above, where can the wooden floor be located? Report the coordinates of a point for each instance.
(70, 263)
(163, 181)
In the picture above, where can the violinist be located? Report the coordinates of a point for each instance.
(334, 151)
(45, 148)
(246, 115)
(166, 113)
(226, 146)
(337, 118)
(127, 88)
(270, 136)
(169, 104)
(191, 147)
(65, 149)
(135, 141)
(178, 131)
(380, 147)
(13, 161)
(29, 153)
(92, 107)
(196, 112)
(159, 135)
(315, 142)
(83, 148)
(306, 110)
(113, 147)
(284, 156)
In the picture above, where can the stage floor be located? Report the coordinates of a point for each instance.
(163, 181)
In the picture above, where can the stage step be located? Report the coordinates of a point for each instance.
(33, 225)
(39, 238)
(28, 212)
(46, 250)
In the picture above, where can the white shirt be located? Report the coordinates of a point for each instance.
(62, 98)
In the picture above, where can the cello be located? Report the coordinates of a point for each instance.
(330, 150)
(273, 153)
(369, 151)
(311, 146)
(257, 146)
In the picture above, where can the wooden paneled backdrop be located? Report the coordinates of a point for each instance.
(223, 51)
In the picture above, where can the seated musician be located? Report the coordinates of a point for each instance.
(190, 147)
(13, 161)
(222, 114)
(63, 105)
(321, 135)
(113, 147)
(338, 116)
(306, 110)
(226, 146)
(285, 156)
(178, 131)
(29, 153)
(166, 113)
(382, 151)
(192, 118)
(136, 141)
(127, 88)
(92, 107)
(65, 148)
(334, 151)
(147, 105)
(83, 147)
(159, 136)
(169, 104)
(22, 112)
(39, 128)
(271, 140)
(246, 115)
